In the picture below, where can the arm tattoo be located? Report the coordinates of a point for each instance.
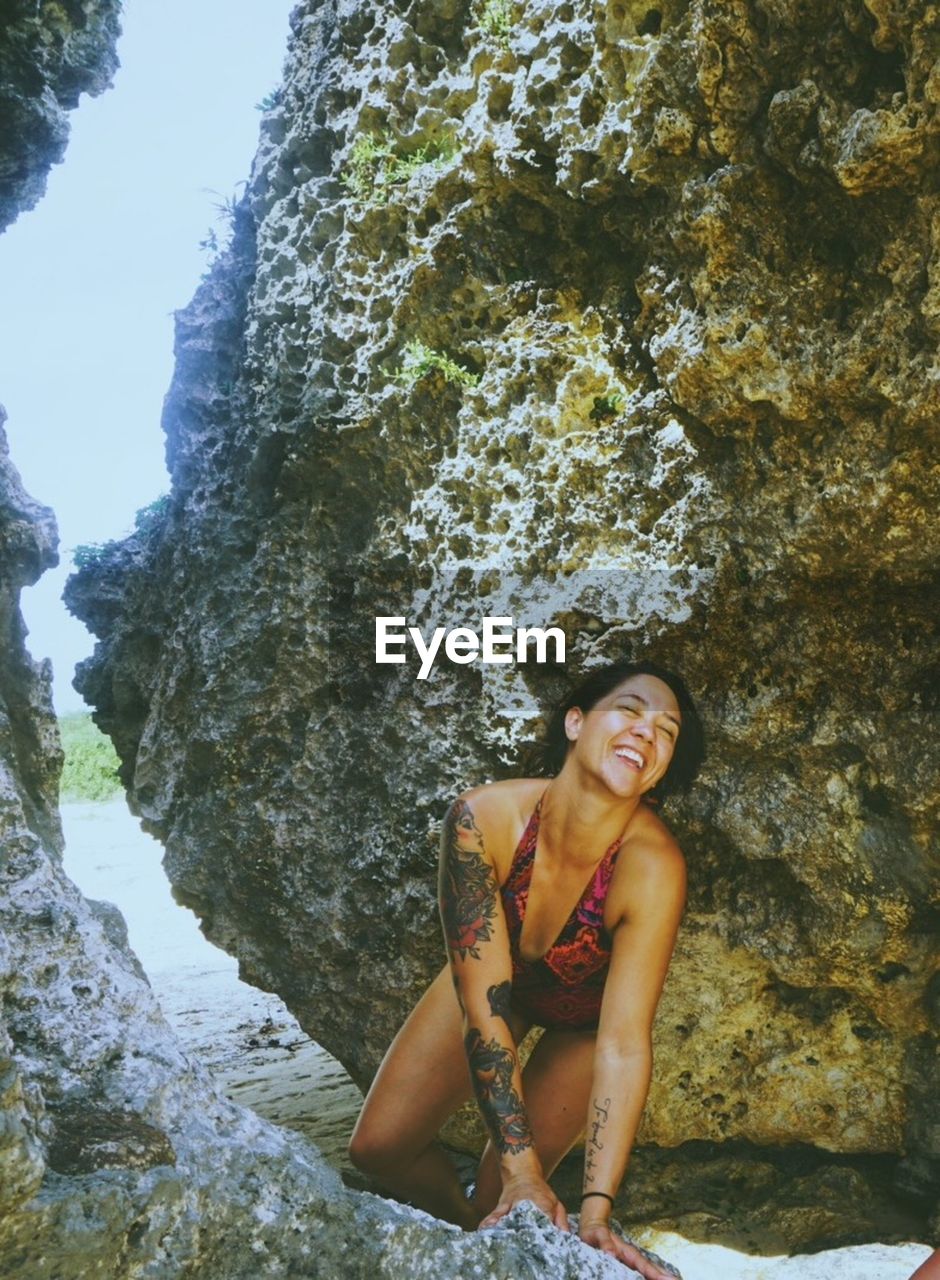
(491, 1068)
(500, 997)
(594, 1144)
(467, 884)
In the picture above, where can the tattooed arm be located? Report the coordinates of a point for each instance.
(623, 1057)
(478, 947)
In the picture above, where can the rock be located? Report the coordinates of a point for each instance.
(673, 273)
(118, 1155)
(50, 54)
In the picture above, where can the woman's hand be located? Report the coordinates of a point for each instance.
(601, 1237)
(528, 1187)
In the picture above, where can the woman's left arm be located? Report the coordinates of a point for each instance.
(623, 1059)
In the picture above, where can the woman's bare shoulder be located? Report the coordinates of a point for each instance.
(651, 844)
(501, 809)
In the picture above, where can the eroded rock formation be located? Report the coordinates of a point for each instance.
(50, 53)
(118, 1155)
(675, 276)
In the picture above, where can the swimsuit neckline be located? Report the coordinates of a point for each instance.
(529, 842)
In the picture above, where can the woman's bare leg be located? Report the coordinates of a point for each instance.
(556, 1086)
(423, 1079)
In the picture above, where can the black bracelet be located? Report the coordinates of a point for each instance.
(597, 1193)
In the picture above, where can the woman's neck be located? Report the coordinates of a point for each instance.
(579, 821)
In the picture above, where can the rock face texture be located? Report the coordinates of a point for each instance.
(621, 319)
(50, 53)
(118, 1156)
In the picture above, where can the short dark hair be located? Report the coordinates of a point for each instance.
(547, 756)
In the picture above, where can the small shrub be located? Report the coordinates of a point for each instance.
(374, 165)
(145, 519)
(269, 101)
(496, 20)
(91, 763)
(607, 406)
(420, 360)
(88, 552)
(226, 208)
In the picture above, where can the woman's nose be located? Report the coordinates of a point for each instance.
(643, 730)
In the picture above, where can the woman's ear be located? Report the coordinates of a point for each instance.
(573, 722)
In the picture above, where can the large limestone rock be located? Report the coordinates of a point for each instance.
(118, 1155)
(50, 53)
(675, 272)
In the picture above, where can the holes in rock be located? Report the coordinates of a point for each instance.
(877, 800)
(885, 78)
(424, 221)
(573, 58)
(892, 971)
(497, 104)
(590, 110)
(651, 24)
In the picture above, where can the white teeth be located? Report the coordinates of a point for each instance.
(627, 753)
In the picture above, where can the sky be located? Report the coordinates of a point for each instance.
(91, 276)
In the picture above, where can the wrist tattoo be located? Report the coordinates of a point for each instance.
(594, 1143)
(491, 1070)
(467, 885)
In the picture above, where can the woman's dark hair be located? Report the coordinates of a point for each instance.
(547, 756)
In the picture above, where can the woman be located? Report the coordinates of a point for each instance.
(560, 903)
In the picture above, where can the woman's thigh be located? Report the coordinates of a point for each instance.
(556, 1087)
(422, 1080)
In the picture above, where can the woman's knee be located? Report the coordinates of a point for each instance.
(373, 1150)
(367, 1150)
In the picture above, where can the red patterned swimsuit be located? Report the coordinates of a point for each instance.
(563, 988)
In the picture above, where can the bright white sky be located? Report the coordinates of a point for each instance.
(90, 277)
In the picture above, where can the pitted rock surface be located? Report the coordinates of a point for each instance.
(118, 1155)
(688, 257)
(50, 53)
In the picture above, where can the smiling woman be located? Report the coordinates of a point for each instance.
(560, 901)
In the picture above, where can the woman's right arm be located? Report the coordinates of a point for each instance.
(478, 946)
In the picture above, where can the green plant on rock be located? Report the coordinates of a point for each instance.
(226, 209)
(269, 101)
(496, 20)
(607, 405)
(421, 359)
(375, 166)
(87, 553)
(145, 519)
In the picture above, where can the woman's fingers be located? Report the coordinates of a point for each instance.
(499, 1212)
(601, 1237)
(545, 1200)
(639, 1262)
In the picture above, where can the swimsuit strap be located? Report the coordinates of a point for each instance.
(524, 855)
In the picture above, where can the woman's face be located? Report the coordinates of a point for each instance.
(629, 736)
